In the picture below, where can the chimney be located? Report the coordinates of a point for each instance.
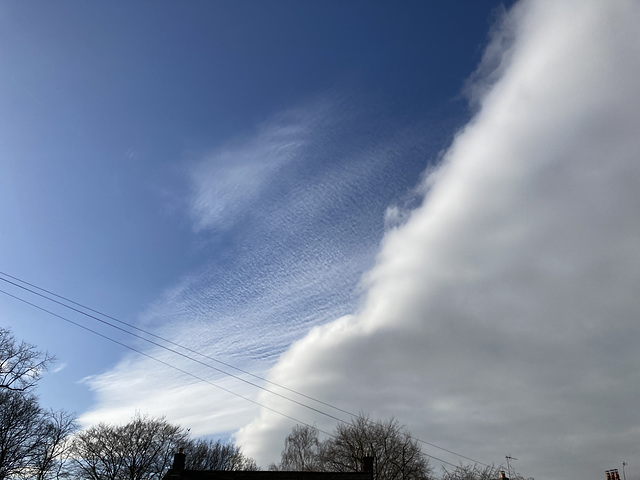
(612, 474)
(178, 461)
(367, 465)
(503, 475)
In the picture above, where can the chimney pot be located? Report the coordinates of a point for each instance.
(178, 460)
(367, 464)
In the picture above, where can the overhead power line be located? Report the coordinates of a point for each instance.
(133, 349)
(197, 377)
(164, 347)
(146, 332)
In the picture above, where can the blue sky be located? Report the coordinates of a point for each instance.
(110, 111)
(425, 210)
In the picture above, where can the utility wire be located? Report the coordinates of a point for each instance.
(195, 360)
(84, 327)
(176, 352)
(203, 355)
(146, 332)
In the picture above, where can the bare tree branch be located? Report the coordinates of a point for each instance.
(21, 364)
(397, 455)
(215, 455)
(32, 441)
(139, 450)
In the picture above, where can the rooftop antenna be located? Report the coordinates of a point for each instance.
(624, 464)
(509, 457)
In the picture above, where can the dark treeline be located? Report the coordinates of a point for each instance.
(40, 444)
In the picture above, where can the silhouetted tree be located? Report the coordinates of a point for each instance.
(397, 456)
(470, 472)
(139, 450)
(21, 364)
(303, 451)
(475, 472)
(54, 449)
(33, 441)
(215, 455)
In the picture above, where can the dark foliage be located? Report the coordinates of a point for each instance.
(215, 455)
(303, 451)
(33, 442)
(139, 450)
(470, 472)
(397, 455)
(21, 364)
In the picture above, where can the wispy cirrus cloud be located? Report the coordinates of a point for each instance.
(231, 179)
(292, 215)
(59, 368)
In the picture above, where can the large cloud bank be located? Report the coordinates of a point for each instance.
(502, 317)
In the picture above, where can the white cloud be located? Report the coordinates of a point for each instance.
(500, 315)
(147, 386)
(229, 181)
(234, 178)
(59, 368)
(293, 214)
(501, 318)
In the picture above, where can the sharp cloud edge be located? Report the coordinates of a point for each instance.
(491, 316)
(292, 262)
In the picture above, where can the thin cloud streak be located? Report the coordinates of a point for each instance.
(233, 178)
(289, 258)
(501, 317)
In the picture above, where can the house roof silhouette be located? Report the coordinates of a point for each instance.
(178, 472)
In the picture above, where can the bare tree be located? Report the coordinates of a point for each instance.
(19, 432)
(397, 456)
(303, 451)
(470, 472)
(21, 364)
(32, 441)
(54, 449)
(475, 472)
(214, 455)
(139, 450)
